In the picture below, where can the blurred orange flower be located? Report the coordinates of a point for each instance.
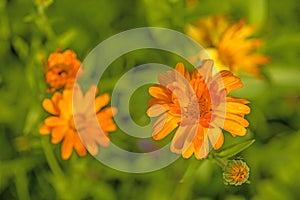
(197, 103)
(229, 45)
(85, 133)
(61, 70)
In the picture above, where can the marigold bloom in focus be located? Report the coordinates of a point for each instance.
(229, 45)
(62, 124)
(197, 103)
(236, 172)
(61, 70)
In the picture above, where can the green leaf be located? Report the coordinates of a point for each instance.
(235, 149)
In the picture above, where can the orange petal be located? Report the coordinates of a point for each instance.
(79, 147)
(67, 146)
(101, 101)
(201, 144)
(89, 98)
(78, 99)
(181, 69)
(56, 98)
(230, 81)
(58, 134)
(101, 138)
(54, 121)
(161, 93)
(49, 107)
(65, 107)
(164, 80)
(44, 130)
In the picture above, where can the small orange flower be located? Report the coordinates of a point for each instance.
(85, 133)
(61, 70)
(236, 172)
(229, 45)
(197, 103)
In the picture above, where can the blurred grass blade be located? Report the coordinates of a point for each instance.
(257, 12)
(191, 170)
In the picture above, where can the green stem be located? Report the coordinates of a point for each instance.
(219, 161)
(51, 158)
(43, 23)
(184, 186)
(22, 184)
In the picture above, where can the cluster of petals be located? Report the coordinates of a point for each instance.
(198, 105)
(230, 45)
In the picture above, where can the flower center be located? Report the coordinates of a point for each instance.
(197, 111)
(239, 174)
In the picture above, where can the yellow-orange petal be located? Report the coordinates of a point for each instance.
(215, 137)
(238, 100)
(234, 128)
(44, 130)
(230, 81)
(189, 152)
(237, 119)
(237, 108)
(155, 110)
(164, 127)
(154, 101)
(183, 139)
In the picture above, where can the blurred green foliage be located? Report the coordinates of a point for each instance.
(31, 167)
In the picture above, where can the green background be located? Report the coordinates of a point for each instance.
(31, 167)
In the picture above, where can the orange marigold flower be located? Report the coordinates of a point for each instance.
(61, 70)
(85, 133)
(229, 45)
(208, 30)
(197, 103)
(236, 172)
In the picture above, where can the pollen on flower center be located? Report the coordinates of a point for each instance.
(239, 174)
(196, 111)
